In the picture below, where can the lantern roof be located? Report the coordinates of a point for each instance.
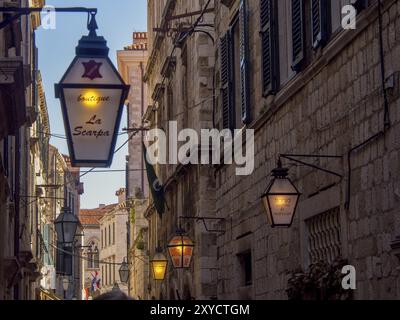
(92, 94)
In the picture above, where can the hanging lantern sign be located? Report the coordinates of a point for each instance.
(180, 249)
(92, 95)
(280, 198)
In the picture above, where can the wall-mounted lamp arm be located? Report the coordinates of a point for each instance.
(203, 219)
(292, 157)
(18, 12)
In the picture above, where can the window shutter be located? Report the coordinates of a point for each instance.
(244, 62)
(269, 45)
(360, 5)
(226, 81)
(297, 34)
(319, 15)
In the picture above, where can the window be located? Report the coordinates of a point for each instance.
(90, 258)
(96, 258)
(109, 235)
(102, 239)
(236, 73)
(105, 237)
(106, 274)
(319, 22)
(113, 232)
(234, 55)
(246, 268)
(324, 236)
(113, 267)
(184, 86)
(310, 29)
(109, 272)
(298, 22)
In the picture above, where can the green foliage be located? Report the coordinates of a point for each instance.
(139, 241)
(322, 281)
(132, 215)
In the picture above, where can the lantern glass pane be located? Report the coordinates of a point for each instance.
(266, 207)
(92, 115)
(69, 230)
(282, 208)
(180, 249)
(159, 268)
(59, 232)
(124, 273)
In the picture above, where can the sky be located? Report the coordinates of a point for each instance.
(117, 20)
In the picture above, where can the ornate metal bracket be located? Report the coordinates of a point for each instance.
(292, 157)
(203, 219)
(18, 12)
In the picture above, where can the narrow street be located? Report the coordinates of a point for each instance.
(210, 150)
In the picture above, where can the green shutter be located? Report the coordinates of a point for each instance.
(244, 62)
(269, 46)
(297, 34)
(226, 81)
(319, 22)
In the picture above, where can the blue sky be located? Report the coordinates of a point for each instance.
(117, 19)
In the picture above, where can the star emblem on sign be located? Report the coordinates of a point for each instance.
(92, 69)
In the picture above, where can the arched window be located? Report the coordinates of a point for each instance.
(90, 258)
(96, 258)
(93, 255)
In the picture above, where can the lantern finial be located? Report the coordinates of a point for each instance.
(279, 171)
(92, 25)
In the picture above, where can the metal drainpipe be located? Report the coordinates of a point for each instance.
(141, 115)
(16, 202)
(383, 69)
(128, 234)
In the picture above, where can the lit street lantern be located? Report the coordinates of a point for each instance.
(124, 272)
(159, 265)
(280, 198)
(92, 95)
(66, 225)
(180, 249)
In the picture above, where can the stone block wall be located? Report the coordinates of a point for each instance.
(333, 105)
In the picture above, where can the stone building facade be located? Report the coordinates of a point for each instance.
(313, 88)
(307, 84)
(114, 243)
(20, 256)
(91, 266)
(63, 190)
(131, 65)
(179, 75)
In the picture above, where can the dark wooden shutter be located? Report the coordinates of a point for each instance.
(269, 46)
(297, 34)
(360, 5)
(319, 22)
(244, 62)
(226, 81)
